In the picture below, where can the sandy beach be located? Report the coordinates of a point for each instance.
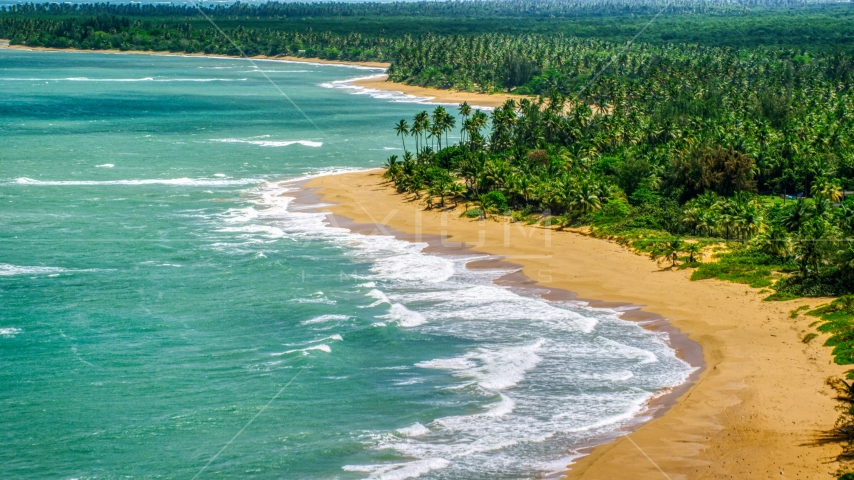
(752, 413)
(438, 96)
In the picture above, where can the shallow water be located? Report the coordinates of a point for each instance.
(167, 312)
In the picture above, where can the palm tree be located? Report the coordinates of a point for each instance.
(693, 250)
(465, 111)
(440, 189)
(796, 215)
(402, 129)
(420, 126)
(448, 124)
(582, 197)
(435, 131)
(392, 168)
(810, 245)
(439, 123)
(775, 241)
(668, 250)
(827, 188)
(457, 190)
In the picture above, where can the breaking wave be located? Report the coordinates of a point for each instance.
(545, 375)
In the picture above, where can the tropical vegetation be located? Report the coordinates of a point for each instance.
(770, 189)
(708, 134)
(388, 31)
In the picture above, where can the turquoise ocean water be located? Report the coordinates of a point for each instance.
(165, 312)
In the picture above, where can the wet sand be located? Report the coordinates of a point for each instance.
(753, 412)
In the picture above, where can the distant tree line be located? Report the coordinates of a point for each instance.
(104, 32)
(451, 8)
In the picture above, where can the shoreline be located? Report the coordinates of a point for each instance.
(435, 95)
(380, 83)
(429, 95)
(684, 348)
(754, 412)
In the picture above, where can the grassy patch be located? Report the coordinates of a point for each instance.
(780, 297)
(837, 319)
(472, 213)
(741, 265)
(809, 337)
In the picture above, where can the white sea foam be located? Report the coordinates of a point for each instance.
(304, 351)
(325, 319)
(403, 316)
(390, 95)
(380, 296)
(553, 468)
(240, 215)
(545, 374)
(493, 368)
(265, 230)
(335, 337)
(399, 471)
(397, 313)
(277, 71)
(408, 264)
(189, 182)
(414, 430)
(474, 302)
(8, 270)
(411, 381)
(106, 165)
(619, 376)
(626, 351)
(314, 300)
(121, 80)
(633, 409)
(9, 332)
(269, 143)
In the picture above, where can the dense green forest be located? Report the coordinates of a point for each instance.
(824, 28)
(450, 9)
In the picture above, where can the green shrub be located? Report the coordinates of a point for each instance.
(780, 297)
(612, 212)
(494, 202)
(473, 213)
(830, 282)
